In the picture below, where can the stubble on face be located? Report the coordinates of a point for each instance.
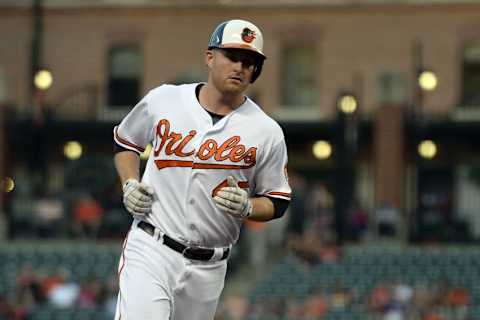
(229, 79)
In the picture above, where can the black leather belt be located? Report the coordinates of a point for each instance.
(202, 254)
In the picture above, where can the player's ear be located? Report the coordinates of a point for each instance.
(209, 58)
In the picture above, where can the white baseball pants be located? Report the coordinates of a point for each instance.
(158, 283)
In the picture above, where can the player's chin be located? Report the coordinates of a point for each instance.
(235, 86)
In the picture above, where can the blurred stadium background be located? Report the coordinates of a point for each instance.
(379, 101)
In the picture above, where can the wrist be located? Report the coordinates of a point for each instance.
(248, 209)
(129, 182)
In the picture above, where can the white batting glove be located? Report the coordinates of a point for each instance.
(234, 200)
(137, 197)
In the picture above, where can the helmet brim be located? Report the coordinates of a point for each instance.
(240, 46)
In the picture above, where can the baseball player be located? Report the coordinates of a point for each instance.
(217, 159)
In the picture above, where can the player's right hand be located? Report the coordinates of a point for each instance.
(137, 197)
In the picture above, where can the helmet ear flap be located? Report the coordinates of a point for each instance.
(257, 70)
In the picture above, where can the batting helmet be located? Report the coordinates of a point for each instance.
(240, 34)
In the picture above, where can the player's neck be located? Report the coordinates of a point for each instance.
(217, 102)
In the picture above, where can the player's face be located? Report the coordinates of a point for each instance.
(231, 70)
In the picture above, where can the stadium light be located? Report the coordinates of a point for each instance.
(8, 184)
(427, 149)
(72, 150)
(43, 79)
(427, 80)
(322, 149)
(347, 103)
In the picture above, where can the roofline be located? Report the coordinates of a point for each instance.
(225, 3)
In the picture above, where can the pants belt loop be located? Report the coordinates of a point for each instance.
(217, 254)
(157, 234)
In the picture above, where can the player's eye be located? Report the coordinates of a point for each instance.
(234, 56)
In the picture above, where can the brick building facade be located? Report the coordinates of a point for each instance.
(315, 50)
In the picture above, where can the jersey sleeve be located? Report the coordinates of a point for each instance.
(271, 179)
(135, 131)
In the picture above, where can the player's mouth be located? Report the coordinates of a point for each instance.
(238, 80)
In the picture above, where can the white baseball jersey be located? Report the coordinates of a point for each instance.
(191, 159)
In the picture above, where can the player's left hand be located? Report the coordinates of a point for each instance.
(234, 200)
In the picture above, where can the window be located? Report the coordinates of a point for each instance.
(391, 88)
(471, 74)
(298, 76)
(436, 220)
(124, 73)
(3, 86)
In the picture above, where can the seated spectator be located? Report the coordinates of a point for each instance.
(329, 252)
(388, 218)
(294, 309)
(235, 307)
(458, 300)
(87, 216)
(49, 216)
(316, 305)
(341, 296)
(439, 292)
(358, 222)
(28, 293)
(458, 297)
(433, 316)
(320, 220)
(59, 290)
(6, 310)
(65, 293)
(380, 298)
(394, 314)
(90, 294)
(28, 287)
(49, 282)
(422, 297)
(402, 294)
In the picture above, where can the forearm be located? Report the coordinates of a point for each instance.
(263, 209)
(127, 164)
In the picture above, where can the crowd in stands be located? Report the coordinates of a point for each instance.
(387, 301)
(307, 234)
(310, 239)
(433, 301)
(38, 288)
(79, 214)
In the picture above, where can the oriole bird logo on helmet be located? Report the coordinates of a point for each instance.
(248, 35)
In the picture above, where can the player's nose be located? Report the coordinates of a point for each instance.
(237, 66)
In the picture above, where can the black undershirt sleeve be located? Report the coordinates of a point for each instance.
(280, 206)
(118, 148)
